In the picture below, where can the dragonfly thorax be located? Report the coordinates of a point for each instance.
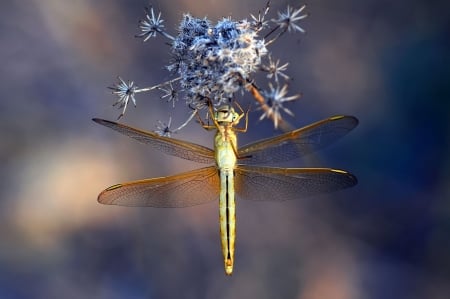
(225, 143)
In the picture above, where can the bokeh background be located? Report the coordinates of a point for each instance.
(386, 62)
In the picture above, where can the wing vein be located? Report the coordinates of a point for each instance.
(297, 143)
(182, 149)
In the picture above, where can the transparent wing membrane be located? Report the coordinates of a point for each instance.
(251, 182)
(182, 149)
(182, 190)
(277, 184)
(297, 143)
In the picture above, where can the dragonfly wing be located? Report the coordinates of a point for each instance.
(277, 184)
(182, 149)
(183, 190)
(297, 143)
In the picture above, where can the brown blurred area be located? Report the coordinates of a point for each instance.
(385, 62)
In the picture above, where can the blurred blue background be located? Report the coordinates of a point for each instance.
(386, 62)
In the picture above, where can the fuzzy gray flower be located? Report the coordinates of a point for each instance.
(163, 129)
(274, 69)
(214, 62)
(124, 91)
(287, 20)
(152, 25)
(275, 98)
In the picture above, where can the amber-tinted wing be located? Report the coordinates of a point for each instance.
(297, 143)
(267, 183)
(183, 190)
(182, 149)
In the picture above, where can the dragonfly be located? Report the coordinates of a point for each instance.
(235, 172)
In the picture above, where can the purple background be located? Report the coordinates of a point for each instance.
(386, 62)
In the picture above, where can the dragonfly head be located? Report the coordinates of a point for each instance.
(226, 114)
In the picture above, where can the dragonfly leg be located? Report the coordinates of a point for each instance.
(205, 125)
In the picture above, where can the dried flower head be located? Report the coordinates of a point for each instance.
(125, 91)
(163, 129)
(274, 69)
(275, 98)
(213, 62)
(287, 20)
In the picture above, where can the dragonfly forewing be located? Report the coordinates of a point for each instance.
(278, 184)
(178, 148)
(297, 143)
(183, 190)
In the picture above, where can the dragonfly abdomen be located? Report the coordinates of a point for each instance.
(227, 216)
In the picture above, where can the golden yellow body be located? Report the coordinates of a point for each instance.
(225, 145)
(227, 177)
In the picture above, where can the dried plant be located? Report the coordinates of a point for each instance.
(213, 63)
